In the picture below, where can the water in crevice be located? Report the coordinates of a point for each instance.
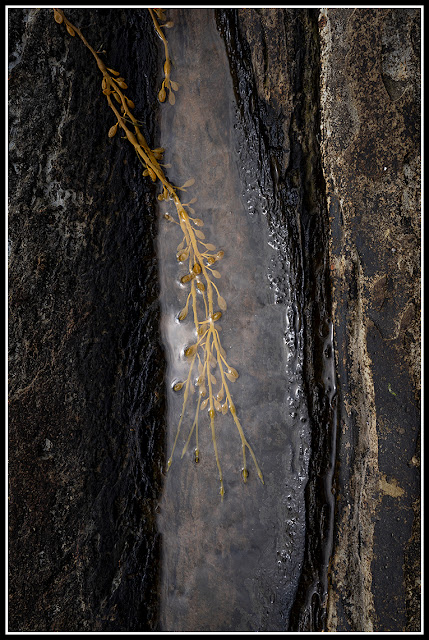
(230, 565)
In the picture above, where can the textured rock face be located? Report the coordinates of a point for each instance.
(330, 100)
(370, 100)
(85, 361)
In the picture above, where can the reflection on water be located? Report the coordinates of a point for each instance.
(230, 565)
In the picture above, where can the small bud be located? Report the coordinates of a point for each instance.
(190, 351)
(221, 303)
(177, 386)
(182, 315)
(162, 95)
(58, 17)
(113, 130)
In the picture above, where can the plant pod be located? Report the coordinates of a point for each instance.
(220, 394)
(115, 73)
(162, 95)
(182, 315)
(70, 30)
(58, 17)
(221, 302)
(190, 351)
(188, 183)
(171, 98)
(122, 84)
(113, 130)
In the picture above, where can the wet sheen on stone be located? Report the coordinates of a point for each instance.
(230, 565)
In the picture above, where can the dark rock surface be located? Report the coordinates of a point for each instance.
(86, 396)
(331, 99)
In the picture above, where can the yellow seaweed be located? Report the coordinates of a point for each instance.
(206, 357)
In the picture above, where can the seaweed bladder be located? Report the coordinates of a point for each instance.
(210, 375)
